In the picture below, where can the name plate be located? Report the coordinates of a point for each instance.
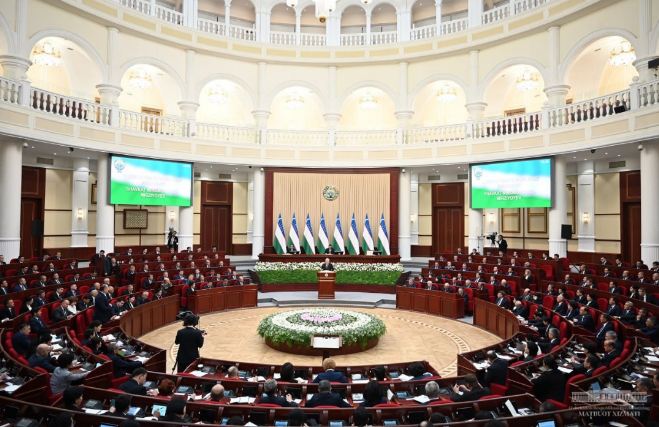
(326, 342)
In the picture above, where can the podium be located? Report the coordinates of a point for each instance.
(326, 281)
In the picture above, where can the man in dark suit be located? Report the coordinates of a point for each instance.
(37, 325)
(43, 282)
(590, 363)
(135, 384)
(469, 391)
(610, 352)
(561, 306)
(519, 310)
(551, 383)
(330, 374)
(102, 307)
(497, 372)
(101, 264)
(4, 287)
(72, 292)
(270, 395)
(645, 297)
(628, 315)
(552, 340)
(613, 309)
(502, 244)
(327, 265)
(58, 295)
(325, 397)
(527, 279)
(41, 358)
(606, 325)
(21, 285)
(9, 312)
(190, 339)
(62, 312)
(120, 365)
(584, 319)
(21, 340)
(502, 301)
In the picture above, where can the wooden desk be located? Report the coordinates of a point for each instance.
(148, 317)
(326, 282)
(224, 298)
(495, 319)
(432, 302)
(320, 258)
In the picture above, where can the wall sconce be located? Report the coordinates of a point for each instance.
(80, 214)
(171, 216)
(490, 217)
(413, 218)
(250, 216)
(585, 217)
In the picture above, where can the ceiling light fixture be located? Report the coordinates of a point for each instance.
(46, 54)
(217, 96)
(527, 81)
(324, 8)
(291, 3)
(140, 79)
(295, 101)
(447, 93)
(623, 54)
(368, 101)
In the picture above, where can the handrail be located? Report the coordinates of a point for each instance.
(223, 133)
(283, 38)
(10, 90)
(590, 109)
(424, 32)
(297, 137)
(377, 137)
(150, 123)
(384, 37)
(212, 27)
(432, 134)
(496, 14)
(495, 126)
(75, 108)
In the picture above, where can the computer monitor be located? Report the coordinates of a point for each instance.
(161, 409)
(546, 423)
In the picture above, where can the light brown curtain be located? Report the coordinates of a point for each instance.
(301, 193)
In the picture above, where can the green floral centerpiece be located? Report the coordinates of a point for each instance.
(346, 273)
(296, 329)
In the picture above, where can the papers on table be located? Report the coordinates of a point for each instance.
(94, 411)
(109, 337)
(276, 376)
(10, 388)
(243, 400)
(564, 369)
(357, 397)
(421, 399)
(652, 358)
(504, 357)
(141, 359)
(198, 373)
(56, 347)
(256, 379)
(300, 380)
(404, 377)
(481, 365)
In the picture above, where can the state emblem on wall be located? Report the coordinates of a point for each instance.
(330, 193)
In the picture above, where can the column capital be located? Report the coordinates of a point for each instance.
(109, 93)
(332, 118)
(641, 65)
(556, 94)
(14, 66)
(404, 114)
(261, 114)
(476, 106)
(188, 107)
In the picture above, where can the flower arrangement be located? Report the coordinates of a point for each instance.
(346, 273)
(298, 327)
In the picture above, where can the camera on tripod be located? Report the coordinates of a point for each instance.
(492, 237)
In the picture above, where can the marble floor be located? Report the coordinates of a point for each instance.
(410, 336)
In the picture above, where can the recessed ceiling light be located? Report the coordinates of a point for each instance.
(54, 154)
(619, 155)
(574, 157)
(606, 154)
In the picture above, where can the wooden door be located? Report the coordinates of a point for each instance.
(447, 217)
(216, 227)
(31, 227)
(631, 232)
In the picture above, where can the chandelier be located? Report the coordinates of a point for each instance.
(140, 79)
(324, 8)
(368, 101)
(217, 95)
(295, 101)
(291, 3)
(46, 54)
(447, 93)
(527, 81)
(622, 54)
(366, 2)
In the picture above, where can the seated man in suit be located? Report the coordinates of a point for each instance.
(62, 312)
(497, 372)
(561, 306)
(327, 265)
(470, 390)
(519, 310)
(270, 395)
(650, 331)
(9, 312)
(606, 326)
(21, 340)
(552, 340)
(325, 397)
(502, 301)
(610, 352)
(644, 296)
(135, 384)
(584, 319)
(530, 352)
(628, 314)
(590, 363)
(121, 366)
(330, 374)
(41, 358)
(551, 383)
(37, 325)
(571, 311)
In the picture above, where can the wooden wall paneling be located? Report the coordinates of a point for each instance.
(33, 194)
(630, 215)
(536, 220)
(447, 217)
(511, 220)
(216, 215)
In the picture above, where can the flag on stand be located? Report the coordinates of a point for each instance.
(323, 237)
(307, 243)
(293, 236)
(337, 238)
(383, 238)
(280, 240)
(367, 237)
(353, 240)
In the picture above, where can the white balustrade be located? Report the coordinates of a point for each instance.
(422, 33)
(73, 108)
(9, 91)
(590, 109)
(497, 126)
(286, 38)
(169, 15)
(297, 137)
(648, 94)
(228, 134)
(522, 6)
(433, 134)
(385, 37)
(142, 6)
(242, 33)
(496, 14)
(152, 124)
(212, 27)
(365, 137)
(313, 39)
(353, 39)
(454, 26)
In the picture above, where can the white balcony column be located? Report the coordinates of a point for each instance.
(555, 90)
(262, 111)
(110, 90)
(557, 95)
(171, 220)
(438, 17)
(645, 74)
(298, 25)
(79, 203)
(475, 13)
(104, 210)
(404, 197)
(369, 14)
(259, 213)
(332, 122)
(403, 23)
(475, 236)
(15, 68)
(262, 24)
(190, 13)
(403, 112)
(186, 227)
(475, 110)
(414, 208)
(250, 206)
(490, 221)
(11, 162)
(227, 16)
(109, 95)
(189, 114)
(152, 7)
(558, 212)
(333, 29)
(649, 202)
(586, 204)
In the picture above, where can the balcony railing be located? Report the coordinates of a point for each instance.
(313, 39)
(455, 26)
(385, 37)
(637, 97)
(496, 14)
(422, 33)
(212, 27)
(353, 39)
(142, 6)
(283, 38)
(169, 15)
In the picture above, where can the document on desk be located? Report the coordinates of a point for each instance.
(198, 373)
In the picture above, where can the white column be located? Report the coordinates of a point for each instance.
(404, 238)
(190, 13)
(11, 162)
(586, 204)
(369, 14)
(14, 67)
(152, 7)
(171, 220)
(298, 25)
(259, 213)
(262, 111)
(403, 23)
(555, 90)
(110, 90)
(189, 113)
(186, 227)
(403, 113)
(438, 17)
(558, 213)
(490, 221)
(649, 202)
(475, 12)
(104, 210)
(475, 229)
(414, 208)
(227, 15)
(79, 203)
(250, 206)
(333, 29)
(332, 117)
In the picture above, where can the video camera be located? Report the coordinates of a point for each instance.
(492, 237)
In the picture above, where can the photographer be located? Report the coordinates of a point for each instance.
(190, 339)
(501, 242)
(172, 240)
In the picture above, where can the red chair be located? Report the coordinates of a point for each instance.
(599, 371)
(603, 304)
(499, 389)
(548, 302)
(490, 396)
(565, 404)
(116, 382)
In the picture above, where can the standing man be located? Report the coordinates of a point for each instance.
(501, 242)
(327, 265)
(190, 339)
(172, 240)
